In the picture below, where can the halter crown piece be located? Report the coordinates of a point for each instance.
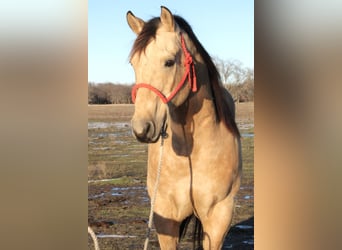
(189, 73)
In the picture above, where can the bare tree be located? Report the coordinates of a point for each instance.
(238, 80)
(225, 68)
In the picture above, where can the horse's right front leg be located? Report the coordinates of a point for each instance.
(168, 232)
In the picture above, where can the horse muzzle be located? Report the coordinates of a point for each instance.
(145, 131)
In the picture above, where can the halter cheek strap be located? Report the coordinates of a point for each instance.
(189, 73)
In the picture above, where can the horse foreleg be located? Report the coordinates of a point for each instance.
(168, 232)
(216, 224)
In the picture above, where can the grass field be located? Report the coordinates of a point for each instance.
(118, 204)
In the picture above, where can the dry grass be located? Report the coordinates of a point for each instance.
(110, 112)
(245, 112)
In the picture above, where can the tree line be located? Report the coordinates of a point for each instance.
(109, 93)
(238, 80)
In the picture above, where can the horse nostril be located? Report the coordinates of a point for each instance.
(147, 128)
(144, 132)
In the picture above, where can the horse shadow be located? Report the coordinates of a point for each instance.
(241, 236)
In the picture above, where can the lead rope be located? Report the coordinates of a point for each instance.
(93, 236)
(150, 219)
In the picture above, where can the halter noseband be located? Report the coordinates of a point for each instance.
(189, 73)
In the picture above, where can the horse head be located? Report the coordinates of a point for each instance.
(162, 66)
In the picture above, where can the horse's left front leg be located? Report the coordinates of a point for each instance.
(217, 223)
(168, 232)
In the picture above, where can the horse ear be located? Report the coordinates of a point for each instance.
(167, 19)
(135, 23)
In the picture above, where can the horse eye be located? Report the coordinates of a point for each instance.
(169, 63)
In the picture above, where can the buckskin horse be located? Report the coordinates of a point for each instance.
(178, 95)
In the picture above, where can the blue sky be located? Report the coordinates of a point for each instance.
(224, 27)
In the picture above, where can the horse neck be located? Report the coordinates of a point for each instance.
(198, 109)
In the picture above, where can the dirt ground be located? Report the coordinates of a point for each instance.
(118, 204)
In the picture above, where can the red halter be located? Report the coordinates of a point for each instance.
(189, 72)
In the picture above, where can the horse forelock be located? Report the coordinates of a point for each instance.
(223, 110)
(145, 36)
